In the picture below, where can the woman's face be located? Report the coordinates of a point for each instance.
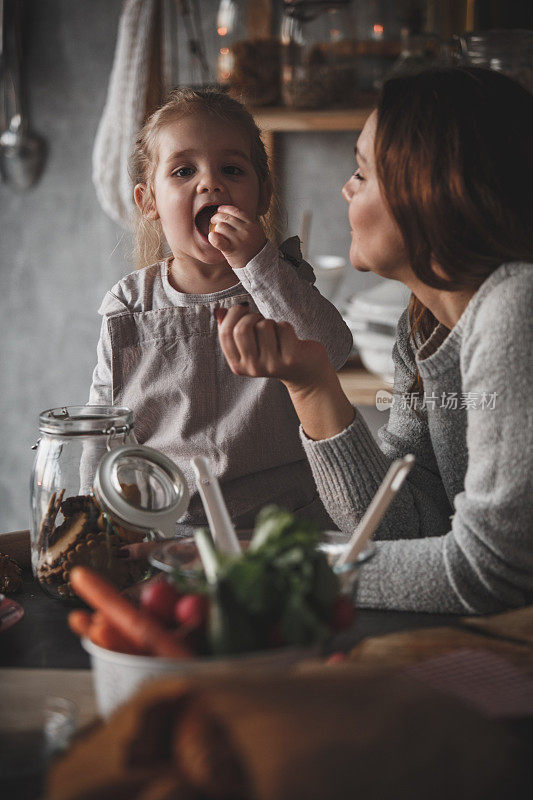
(377, 244)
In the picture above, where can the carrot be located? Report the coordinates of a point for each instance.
(104, 634)
(80, 622)
(135, 625)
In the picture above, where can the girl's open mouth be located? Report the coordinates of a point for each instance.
(203, 219)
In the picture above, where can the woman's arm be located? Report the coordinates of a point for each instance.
(348, 467)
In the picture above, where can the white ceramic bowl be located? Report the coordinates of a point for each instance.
(117, 676)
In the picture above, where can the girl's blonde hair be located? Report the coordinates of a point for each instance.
(150, 244)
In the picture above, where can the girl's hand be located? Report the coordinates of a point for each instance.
(237, 237)
(260, 347)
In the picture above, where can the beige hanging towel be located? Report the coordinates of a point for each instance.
(125, 107)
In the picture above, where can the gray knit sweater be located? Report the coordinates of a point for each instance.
(459, 535)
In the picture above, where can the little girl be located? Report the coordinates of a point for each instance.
(202, 184)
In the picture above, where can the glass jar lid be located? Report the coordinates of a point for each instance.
(141, 488)
(86, 420)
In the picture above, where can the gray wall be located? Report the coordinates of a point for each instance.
(59, 252)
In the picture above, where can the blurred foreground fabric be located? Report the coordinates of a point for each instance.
(335, 732)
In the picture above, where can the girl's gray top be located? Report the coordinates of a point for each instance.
(459, 535)
(159, 355)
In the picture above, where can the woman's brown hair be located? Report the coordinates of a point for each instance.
(149, 238)
(454, 158)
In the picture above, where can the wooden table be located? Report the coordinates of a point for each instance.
(40, 656)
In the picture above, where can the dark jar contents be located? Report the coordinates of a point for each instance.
(75, 532)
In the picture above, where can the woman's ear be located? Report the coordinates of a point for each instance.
(265, 196)
(145, 201)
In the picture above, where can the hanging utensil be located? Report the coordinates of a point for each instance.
(22, 153)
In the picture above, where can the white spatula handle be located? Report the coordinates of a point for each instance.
(375, 512)
(218, 517)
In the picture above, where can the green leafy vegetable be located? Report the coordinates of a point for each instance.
(280, 585)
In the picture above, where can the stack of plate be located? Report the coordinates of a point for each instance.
(372, 317)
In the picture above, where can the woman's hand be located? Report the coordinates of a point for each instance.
(262, 348)
(237, 237)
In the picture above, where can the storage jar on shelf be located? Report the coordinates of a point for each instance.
(248, 63)
(507, 51)
(318, 54)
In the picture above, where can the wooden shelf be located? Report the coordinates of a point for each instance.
(274, 120)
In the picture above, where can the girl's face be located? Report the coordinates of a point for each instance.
(202, 162)
(377, 244)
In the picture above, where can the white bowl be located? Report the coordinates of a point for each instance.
(117, 676)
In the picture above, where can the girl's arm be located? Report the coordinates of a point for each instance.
(280, 281)
(101, 391)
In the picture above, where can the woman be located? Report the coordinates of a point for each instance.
(442, 201)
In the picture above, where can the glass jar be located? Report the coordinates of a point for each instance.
(378, 32)
(318, 54)
(419, 52)
(248, 64)
(67, 526)
(507, 51)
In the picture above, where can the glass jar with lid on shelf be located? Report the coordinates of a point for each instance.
(248, 59)
(318, 54)
(419, 52)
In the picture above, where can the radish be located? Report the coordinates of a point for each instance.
(159, 599)
(191, 610)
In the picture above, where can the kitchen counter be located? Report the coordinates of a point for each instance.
(39, 656)
(359, 385)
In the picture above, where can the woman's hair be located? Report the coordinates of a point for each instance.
(150, 245)
(454, 158)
